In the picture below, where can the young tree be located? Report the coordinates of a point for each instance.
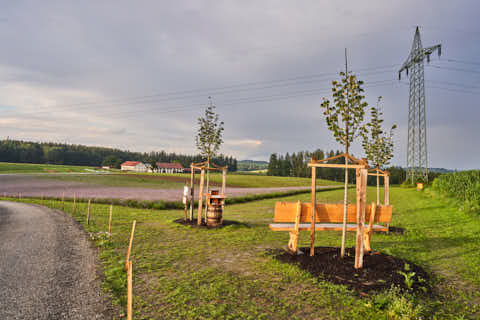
(378, 145)
(153, 165)
(344, 117)
(209, 135)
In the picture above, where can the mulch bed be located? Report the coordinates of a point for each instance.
(204, 225)
(380, 271)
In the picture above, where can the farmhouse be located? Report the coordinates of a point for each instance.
(133, 166)
(165, 167)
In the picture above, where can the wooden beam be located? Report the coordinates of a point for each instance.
(314, 202)
(200, 198)
(343, 155)
(334, 165)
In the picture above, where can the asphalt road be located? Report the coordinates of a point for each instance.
(47, 266)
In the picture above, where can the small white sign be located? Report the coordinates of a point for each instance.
(185, 191)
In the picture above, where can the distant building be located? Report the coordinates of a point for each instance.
(165, 167)
(133, 166)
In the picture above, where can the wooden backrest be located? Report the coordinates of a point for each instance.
(328, 212)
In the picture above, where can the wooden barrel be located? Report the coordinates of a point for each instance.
(214, 216)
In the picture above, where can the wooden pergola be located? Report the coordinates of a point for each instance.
(361, 168)
(202, 167)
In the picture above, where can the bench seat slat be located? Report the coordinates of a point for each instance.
(321, 226)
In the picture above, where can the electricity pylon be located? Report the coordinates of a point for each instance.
(417, 164)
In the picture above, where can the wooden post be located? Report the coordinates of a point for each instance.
(314, 203)
(63, 201)
(192, 193)
(185, 200)
(368, 232)
(224, 180)
(200, 198)
(129, 290)
(130, 245)
(74, 203)
(88, 214)
(378, 187)
(386, 188)
(362, 175)
(110, 221)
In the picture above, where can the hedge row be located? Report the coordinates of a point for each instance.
(463, 186)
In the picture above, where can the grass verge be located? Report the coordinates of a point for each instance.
(230, 273)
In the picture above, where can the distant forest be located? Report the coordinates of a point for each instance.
(72, 154)
(295, 165)
(252, 165)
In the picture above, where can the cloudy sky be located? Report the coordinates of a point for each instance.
(137, 74)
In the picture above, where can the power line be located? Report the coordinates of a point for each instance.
(176, 95)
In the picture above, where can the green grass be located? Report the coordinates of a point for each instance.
(6, 167)
(229, 273)
(175, 181)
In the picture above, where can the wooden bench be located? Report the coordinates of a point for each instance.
(295, 217)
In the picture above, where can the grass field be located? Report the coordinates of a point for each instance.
(230, 273)
(120, 180)
(262, 181)
(6, 167)
(175, 181)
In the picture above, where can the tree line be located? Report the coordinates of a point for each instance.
(296, 165)
(72, 154)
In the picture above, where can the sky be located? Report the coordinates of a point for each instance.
(136, 75)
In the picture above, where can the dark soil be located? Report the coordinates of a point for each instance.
(204, 225)
(380, 271)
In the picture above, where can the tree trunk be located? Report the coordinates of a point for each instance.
(345, 209)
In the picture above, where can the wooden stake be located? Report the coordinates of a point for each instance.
(110, 221)
(74, 203)
(224, 180)
(88, 214)
(63, 201)
(387, 187)
(386, 202)
(200, 198)
(130, 245)
(192, 193)
(314, 202)
(378, 188)
(129, 290)
(185, 198)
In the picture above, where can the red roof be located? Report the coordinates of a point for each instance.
(167, 165)
(130, 163)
